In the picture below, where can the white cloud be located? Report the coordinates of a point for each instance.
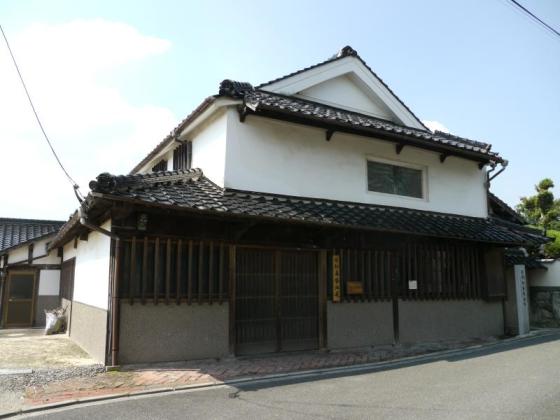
(436, 125)
(94, 128)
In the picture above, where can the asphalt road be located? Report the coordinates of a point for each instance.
(511, 381)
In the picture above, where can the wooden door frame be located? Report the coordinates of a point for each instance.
(22, 270)
(322, 280)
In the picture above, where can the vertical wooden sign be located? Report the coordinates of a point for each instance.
(336, 278)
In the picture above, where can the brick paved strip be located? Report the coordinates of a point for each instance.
(174, 375)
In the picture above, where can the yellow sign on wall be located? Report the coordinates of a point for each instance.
(336, 278)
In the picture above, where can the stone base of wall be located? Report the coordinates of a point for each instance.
(359, 324)
(88, 328)
(167, 333)
(423, 321)
(42, 303)
(545, 306)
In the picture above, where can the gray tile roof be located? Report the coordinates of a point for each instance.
(15, 232)
(257, 100)
(515, 256)
(193, 191)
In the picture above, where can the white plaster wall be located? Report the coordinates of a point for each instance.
(20, 253)
(343, 92)
(209, 148)
(49, 282)
(546, 278)
(91, 276)
(273, 156)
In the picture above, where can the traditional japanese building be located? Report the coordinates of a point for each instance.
(315, 211)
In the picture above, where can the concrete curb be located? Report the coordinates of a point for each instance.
(373, 366)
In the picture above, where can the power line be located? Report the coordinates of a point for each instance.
(74, 184)
(535, 18)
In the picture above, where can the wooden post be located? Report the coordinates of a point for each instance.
(144, 270)
(189, 273)
(167, 271)
(115, 303)
(178, 272)
(156, 271)
(210, 271)
(322, 299)
(221, 274)
(132, 277)
(231, 268)
(200, 271)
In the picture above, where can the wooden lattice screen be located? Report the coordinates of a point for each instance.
(438, 271)
(173, 270)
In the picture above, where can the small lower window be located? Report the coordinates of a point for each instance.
(394, 179)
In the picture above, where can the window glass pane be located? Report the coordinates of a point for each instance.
(21, 286)
(381, 177)
(408, 181)
(392, 179)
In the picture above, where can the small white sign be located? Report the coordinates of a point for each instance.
(412, 285)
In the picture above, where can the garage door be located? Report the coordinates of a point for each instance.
(276, 300)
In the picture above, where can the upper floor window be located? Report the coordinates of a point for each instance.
(182, 156)
(160, 166)
(395, 179)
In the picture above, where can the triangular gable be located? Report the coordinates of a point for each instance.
(349, 93)
(345, 81)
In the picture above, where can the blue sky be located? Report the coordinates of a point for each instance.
(481, 68)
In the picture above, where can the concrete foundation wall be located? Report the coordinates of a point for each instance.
(165, 333)
(359, 324)
(449, 320)
(88, 329)
(42, 303)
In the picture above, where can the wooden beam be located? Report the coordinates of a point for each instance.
(243, 114)
(398, 148)
(443, 156)
(329, 134)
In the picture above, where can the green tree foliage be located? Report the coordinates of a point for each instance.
(543, 210)
(552, 249)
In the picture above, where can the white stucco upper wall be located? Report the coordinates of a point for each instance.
(49, 283)
(40, 255)
(546, 278)
(272, 156)
(91, 275)
(209, 147)
(348, 92)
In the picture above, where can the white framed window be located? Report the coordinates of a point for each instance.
(396, 178)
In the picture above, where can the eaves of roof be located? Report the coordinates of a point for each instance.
(191, 192)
